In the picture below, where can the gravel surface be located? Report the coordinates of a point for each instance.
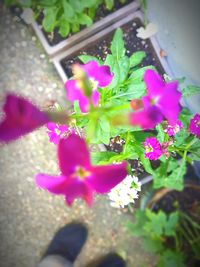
(29, 217)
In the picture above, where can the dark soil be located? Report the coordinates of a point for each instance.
(54, 38)
(101, 48)
(187, 200)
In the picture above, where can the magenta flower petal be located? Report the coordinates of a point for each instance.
(163, 95)
(194, 126)
(54, 184)
(146, 119)
(153, 149)
(100, 74)
(21, 117)
(78, 189)
(95, 97)
(154, 83)
(72, 152)
(169, 102)
(104, 178)
(79, 179)
(75, 93)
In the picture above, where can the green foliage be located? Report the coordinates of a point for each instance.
(117, 46)
(66, 15)
(86, 58)
(170, 174)
(161, 134)
(155, 229)
(136, 58)
(190, 90)
(171, 258)
(103, 157)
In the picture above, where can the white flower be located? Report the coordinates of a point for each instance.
(125, 192)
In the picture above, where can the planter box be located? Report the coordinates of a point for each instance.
(85, 33)
(88, 46)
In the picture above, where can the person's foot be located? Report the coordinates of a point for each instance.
(68, 241)
(112, 260)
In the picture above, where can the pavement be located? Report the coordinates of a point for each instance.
(29, 217)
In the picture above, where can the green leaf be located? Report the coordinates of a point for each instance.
(195, 155)
(146, 164)
(89, 3)
(86, 58)
(161, 134)
(152, 245)
(109, 4)
(190, 90)
(124, 64)
(136, 58)
(109, 61)
(171, 224)
(171, 258)
(117, 46)
(77, 107)
(76, 5)
(139, 73)
(92, 12)
(116, 70)
(64, 28)
(104, 123)
(68, 10)
(135, 90)
(174, 180)
(156, 223)
(49, 20)
(99, 158)
(105, 130)
(46, 3)
(84, 19)
(180, 137)
(130, 151)
(136, 228)
(75, 27)
(185, 116)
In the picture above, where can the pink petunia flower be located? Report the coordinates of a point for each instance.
(161, 101)
(56, 131)
(194, 126)
(99, 76)
(21, 117)
(153, 149)
(171, 130)
(147, 118)
(79, 179)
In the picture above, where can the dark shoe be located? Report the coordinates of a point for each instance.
(112, 260)
(68, 241)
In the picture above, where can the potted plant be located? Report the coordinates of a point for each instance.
(62, 24)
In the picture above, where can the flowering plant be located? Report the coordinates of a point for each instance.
(143, 111)
(113, 100)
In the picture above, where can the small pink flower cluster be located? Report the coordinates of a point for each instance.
(154, 150)
(194, 126)
(171, 130)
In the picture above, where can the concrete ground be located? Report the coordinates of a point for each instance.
(29, 217)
